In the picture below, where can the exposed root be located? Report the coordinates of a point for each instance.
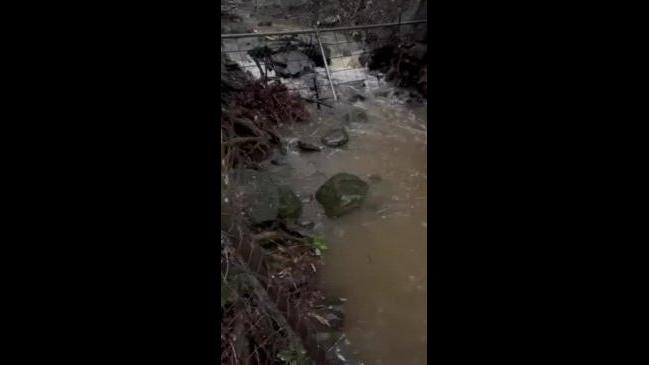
(249, 122)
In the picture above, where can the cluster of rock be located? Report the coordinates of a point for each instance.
(266, 202)
(336, 137)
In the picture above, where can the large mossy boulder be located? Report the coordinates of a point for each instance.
(263, 198)
(341, 194)
(257, 194)
(264, 208)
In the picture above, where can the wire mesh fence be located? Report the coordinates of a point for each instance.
(315, 62)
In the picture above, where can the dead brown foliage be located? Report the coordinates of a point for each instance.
(250, 119)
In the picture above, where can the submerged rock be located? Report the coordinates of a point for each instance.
(341, 194)
(308, 146)
(290, 206)
(356, 115)
(335, 138)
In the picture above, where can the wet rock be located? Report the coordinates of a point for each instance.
(278, 161)
(233, 78)
(257, 193)
(265, 204)
(295, 230)
(291, 63)
(265, 201)
(356, 115)
(290, 206)
(335, 138)
(341, 194)
(308, 146)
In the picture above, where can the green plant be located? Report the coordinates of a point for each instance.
(319, 245)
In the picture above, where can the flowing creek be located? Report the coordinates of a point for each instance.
(376, 257)
(377, 254)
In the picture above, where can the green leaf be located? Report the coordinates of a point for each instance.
(318, 245)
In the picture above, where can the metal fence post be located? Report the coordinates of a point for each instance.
(324, 59)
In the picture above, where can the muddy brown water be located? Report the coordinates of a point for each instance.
(376, 259)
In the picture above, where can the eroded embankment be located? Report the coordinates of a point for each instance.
(271, 307)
